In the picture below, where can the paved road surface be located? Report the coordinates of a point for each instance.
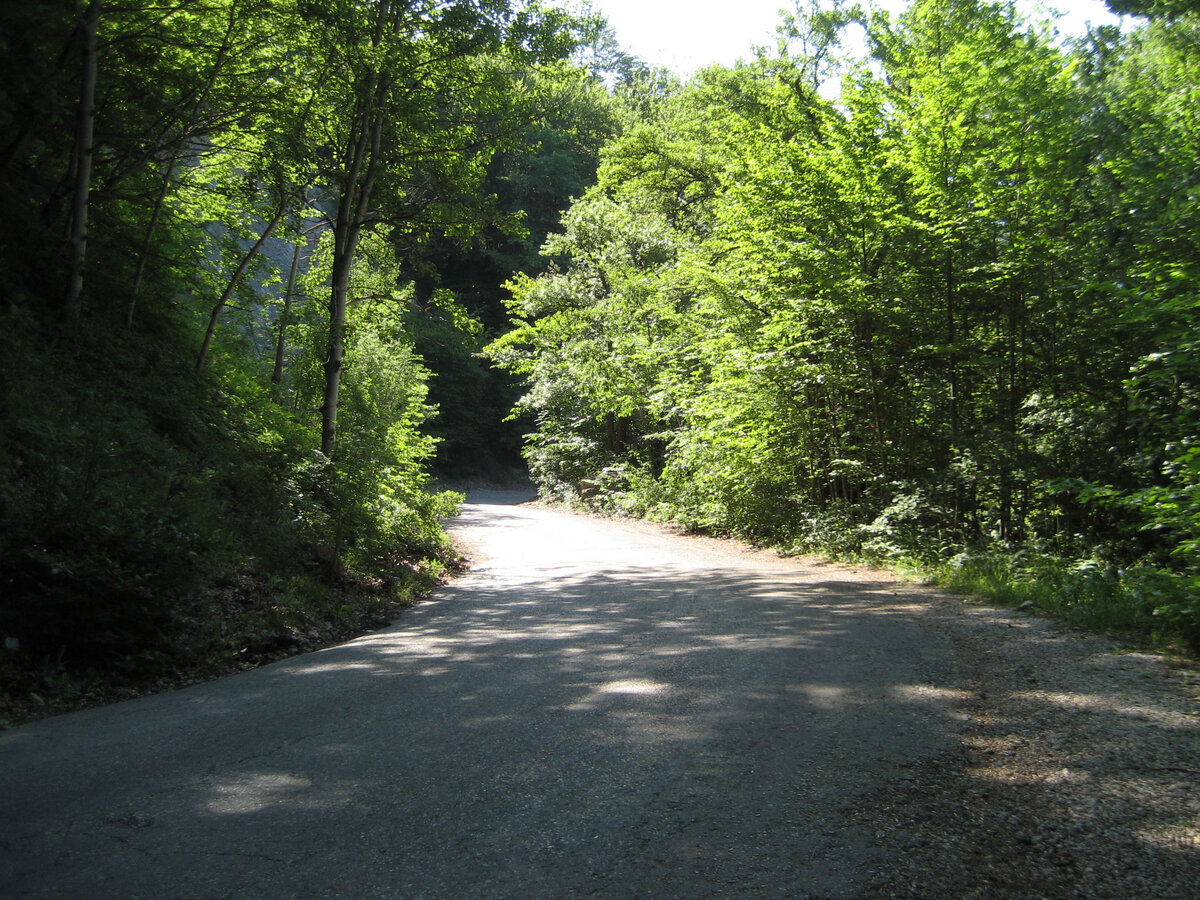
(596, 709)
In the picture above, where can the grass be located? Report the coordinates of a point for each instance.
(1147, 605)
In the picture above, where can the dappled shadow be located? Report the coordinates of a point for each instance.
(661, 728)
(1076, 778)
(666, 732)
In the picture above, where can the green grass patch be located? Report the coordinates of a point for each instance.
(1143, 603)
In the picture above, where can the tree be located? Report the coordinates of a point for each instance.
(128, 489)
(1169, 9)
(81, 163)
(554, 161)
(413, 113)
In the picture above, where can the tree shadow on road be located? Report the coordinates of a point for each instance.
(641, 732)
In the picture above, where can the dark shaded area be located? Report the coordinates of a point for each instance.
(532, 187)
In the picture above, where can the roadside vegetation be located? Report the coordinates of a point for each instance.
(933, 308)
(246, 257)
(276, 269)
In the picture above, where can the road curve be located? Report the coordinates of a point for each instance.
(595, 709)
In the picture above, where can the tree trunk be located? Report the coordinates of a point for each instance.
(285, 316)
(362, 160)
(952, 378)
(338, 302)
(233, 281)
(82, 165)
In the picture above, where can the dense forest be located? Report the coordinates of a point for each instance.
(251, 251)
(274, 270)
(933, 305)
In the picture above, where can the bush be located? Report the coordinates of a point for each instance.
(1145, 602)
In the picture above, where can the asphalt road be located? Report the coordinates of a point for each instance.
(596, 709)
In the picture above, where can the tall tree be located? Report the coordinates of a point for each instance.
(414, 112)
(81, 163)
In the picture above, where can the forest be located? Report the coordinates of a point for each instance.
(934, 307)
(277, 271)
(252, 249)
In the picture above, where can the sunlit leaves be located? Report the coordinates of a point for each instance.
(915, 308)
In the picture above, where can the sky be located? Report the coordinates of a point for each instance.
(685, 35)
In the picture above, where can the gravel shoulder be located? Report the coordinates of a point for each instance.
(1077, 774)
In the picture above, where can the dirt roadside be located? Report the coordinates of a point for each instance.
(1078, 773)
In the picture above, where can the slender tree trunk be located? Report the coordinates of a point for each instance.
(951, 343)
(334, 360)
(285, 317)
(144, 253)
(866, 331)
(82, 164)
(952, 376)
(233, 281)
(345, 243)
(362, 160)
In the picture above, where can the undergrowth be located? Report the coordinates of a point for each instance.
(1143, 602)
(240, 622)
(158, 528)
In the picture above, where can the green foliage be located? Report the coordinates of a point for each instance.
(111, 508)
(946, 314)
(1145, 601)
(553, 161)
(160, 481)
(370, 503)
